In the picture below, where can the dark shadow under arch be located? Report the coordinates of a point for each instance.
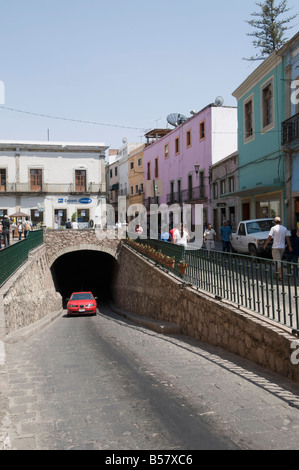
(84, 270)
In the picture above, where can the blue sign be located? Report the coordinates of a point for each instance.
(85, 200)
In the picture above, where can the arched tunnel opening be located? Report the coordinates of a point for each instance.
(84, 270)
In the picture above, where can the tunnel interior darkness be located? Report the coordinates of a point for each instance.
(84, 270)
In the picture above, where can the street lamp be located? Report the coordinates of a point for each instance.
(196, 168)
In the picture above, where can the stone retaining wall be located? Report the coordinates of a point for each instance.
(146, 290)
(29, 295)
(59, 242)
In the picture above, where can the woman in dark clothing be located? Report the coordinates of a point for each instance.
(294, 255)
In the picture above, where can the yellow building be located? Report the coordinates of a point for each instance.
(136, 176)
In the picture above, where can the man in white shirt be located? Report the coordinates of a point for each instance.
(209, 238)
(280, 236)
(181, 236)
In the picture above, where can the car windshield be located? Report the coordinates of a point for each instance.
(259, 226)
(82, 296)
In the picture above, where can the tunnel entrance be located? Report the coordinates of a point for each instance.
(84, 270)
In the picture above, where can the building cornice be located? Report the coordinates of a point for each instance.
(264, 69)
(48, 146)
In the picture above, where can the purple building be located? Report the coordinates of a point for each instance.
(177, 162)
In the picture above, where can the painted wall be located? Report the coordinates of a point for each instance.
(219, 141)
(261, 162)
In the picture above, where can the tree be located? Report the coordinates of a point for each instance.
(270, 27)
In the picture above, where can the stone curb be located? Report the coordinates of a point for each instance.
(24, 333)
(165, 328)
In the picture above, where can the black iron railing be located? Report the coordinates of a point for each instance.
(13, 256)
(248, 282)
(290, 130)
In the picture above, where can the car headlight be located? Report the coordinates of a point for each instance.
(89, 305)
(72, 306)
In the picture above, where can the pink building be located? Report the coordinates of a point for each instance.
(177, 165)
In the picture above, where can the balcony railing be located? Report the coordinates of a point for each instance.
(52, 188)
(290, 130)
(187, 195)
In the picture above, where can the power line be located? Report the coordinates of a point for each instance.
(70, 119)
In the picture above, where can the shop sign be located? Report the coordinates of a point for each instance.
(82, 200)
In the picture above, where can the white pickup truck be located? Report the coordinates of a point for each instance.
(251, 235)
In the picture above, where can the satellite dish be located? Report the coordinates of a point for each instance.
(176, 119)
(219, 101)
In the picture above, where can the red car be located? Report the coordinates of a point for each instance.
(82, 303)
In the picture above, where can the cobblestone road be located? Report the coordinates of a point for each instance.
(104, 383)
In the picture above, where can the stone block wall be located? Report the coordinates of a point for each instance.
(59, 242)
(29, 295)
(141, 288)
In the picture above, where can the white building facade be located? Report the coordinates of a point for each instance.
(52, 182)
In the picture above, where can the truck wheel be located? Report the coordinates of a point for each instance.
(252, 250)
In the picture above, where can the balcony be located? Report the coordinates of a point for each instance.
(187, 195)
(290, 131)
(51, 188)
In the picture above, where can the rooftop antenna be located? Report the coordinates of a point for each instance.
(157, 120)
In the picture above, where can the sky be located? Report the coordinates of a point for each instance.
(104, 70)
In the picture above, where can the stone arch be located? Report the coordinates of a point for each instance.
(82, 247)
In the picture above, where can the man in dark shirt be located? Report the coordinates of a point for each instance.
(6, 223)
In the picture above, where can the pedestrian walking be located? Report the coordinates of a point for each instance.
(68, 224)
(139, 230)
(75, 225)
(279, 234)
(181, 236)
(27, 226)
(226, 236)
(6, 223)
(292, 257)
(209, 238)
(20, 229)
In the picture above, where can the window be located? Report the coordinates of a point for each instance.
(131, 190)
(111, 173)
(188, 138)
(248, 119)
(267, 106)
(115, 171)
(139, 161)
(242, 230)
(136, 189)
(80, 180)
(231, 184)
(131, 165)
(177, 145)
(179, 186)
(202, 130)
(215, 190)
(171, 191)
(222, 187)
(166, 151)
(141, 188)
(35, 180)
(201, 184)
(190, 187)
(156, 168)
(2, 179)
(148, 170)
